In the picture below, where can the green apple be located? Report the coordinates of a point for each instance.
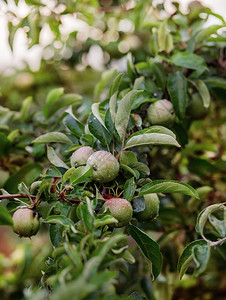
(80, 156)
(161, 112)
(151, 208)
(121, 209)
(105, 166)
(26, 222)
(196, 109)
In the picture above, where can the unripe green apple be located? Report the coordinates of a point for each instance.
(26, 222)
(80, 156)
(121, 209)
(196, 109)
(105, 166)
(151, 208)
(161, 112)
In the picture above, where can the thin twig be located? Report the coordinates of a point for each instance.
(16, 196)
(73, 200)
(213, 244)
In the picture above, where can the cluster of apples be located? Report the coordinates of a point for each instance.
(105, 169)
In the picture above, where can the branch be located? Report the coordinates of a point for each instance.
(16, 196)
(67, 198)
(213, 244)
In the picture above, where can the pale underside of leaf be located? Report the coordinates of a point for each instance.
(151, 139)
(168, 186)
(54, 158)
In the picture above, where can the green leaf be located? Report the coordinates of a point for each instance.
(115, 84)
(129, 189)
(169, 43)
(59, 219)
(151, 139)
(110, 242)
(67, 174)
(23, 189)
(73, 148)
(112, 105)
(123, 112)
(206, 32)
(106, 77)
(104, 220)
(177, 88)
(74, 125)
(204, 215)
(80, 174)
(109, 123)
(127, 157)
(128, 257)
(153, 44)
(5, 218)
(187, 256)
(28, 173)
(73, 253)
(130, 66)
(143, 97)
(52, 172)
(168, 186)
(154, 129)
(13, 134)
(162, 31)
(210, 12)
(219, 225)
(138, 204)
(44, 187)
(159, 74)
(34, 2)
(188, 60)
(86, 214)
(99, 131)
(135, 173)
(216, 82)
(149, 248)
(52, 97)
(204, 93)
(138, 81)
(66, 100)
(87, 139)
(54, 158)
(25, 108)
(96, 113)
(53, 137)
(141, 168)
(201, 255)
(56, 230)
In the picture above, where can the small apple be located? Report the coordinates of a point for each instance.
(161, 112)
(121, 209)
(151, 208)
(196, 109)
(80, 156)
(105, 166)
(26, 222)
